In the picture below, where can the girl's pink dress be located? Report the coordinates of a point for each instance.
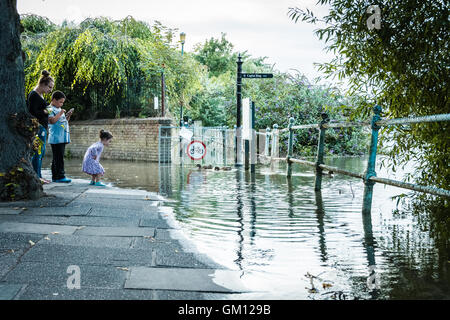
(91, 165)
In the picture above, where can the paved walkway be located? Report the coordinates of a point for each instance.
(86, 242)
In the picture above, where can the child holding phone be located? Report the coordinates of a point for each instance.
(59, 135)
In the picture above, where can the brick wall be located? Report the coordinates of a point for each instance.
(134, 139)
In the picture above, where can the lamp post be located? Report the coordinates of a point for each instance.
(182, 40)
(163, 88)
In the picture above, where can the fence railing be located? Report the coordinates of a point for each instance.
(369, 176)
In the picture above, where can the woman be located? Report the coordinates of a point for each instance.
(37, 107)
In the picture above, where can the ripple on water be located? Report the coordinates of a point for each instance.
(276, 232)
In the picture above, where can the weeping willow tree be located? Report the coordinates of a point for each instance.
(110, 68)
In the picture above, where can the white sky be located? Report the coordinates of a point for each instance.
(261, 27)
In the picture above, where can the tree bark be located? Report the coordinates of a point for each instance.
(17, 127)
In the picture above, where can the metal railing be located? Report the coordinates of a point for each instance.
(369, 177)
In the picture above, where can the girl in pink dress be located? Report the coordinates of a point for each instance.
(91, 161)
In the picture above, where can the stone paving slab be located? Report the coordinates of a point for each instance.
(48, 200)
(106, 203)
(66, 195)
(31, 292)
(75, 220)
(121, 194)
(104, 222)
(79, 186)
(17, 241)
(84, 256)
(9, 291)
(155, 223)
(43, 293)
(187, 295)
(36, 219)
(64, 211)
(10, 211)
(116, 231)
(36, 228)
(8, 260)
(53, 275)
(87, 241)
(185, 279)
(151, 212)
(175, 258)
(153, 244)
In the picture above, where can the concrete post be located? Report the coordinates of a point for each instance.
(290, 148)
(320, 152)
(370, 172)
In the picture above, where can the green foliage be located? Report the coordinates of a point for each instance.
(217, 55)
(109, 68)
(112, 69)
(405, 66)
(34, 24)
(276, 100)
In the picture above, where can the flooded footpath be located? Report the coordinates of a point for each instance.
(286, 241)
(95, 243)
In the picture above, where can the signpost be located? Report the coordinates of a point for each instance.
(240, 76)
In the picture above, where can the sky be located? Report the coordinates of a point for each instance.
(262, 27)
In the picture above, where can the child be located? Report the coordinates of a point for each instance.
(59, 135)
(91, 161)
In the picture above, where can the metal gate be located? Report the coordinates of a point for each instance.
(177, 144)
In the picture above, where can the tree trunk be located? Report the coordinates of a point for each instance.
(17, 127)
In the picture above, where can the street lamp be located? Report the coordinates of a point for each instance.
(182, 40)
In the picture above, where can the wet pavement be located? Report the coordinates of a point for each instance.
(86, 242)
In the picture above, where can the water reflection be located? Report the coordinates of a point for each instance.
(240, 219)
(276, 230)
(320, 212)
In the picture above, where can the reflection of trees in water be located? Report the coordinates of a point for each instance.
(410, 263)
(418, 265)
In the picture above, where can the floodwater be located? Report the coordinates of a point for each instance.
(290, 242)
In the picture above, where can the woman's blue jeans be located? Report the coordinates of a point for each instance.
(36, 160)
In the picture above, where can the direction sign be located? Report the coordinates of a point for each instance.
(256, 75)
